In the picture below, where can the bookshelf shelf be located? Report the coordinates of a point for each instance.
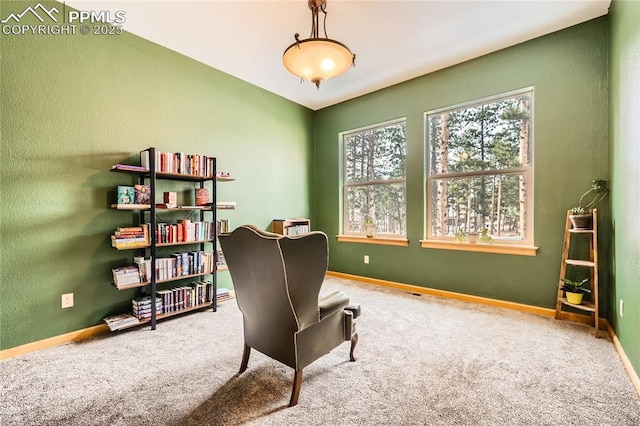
(151, 235)
(131, 206)
(130, 286)
(183, 277)
(183, 243)
(169, 315)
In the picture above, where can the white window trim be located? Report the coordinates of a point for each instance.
(431, 241)
(344, 235)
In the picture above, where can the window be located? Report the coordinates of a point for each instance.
(480, 169)
(374, 179)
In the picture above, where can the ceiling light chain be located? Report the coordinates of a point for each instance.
(317, 6)
(317, 59)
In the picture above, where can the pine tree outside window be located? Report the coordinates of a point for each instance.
(374, 178)
(480, 169)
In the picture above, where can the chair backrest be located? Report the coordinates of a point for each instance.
(277, 281)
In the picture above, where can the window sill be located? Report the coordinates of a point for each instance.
(482, 248)
(402, 242)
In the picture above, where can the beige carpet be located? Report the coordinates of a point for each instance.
(422, 360)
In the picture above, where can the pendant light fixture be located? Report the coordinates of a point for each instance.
(317, 58)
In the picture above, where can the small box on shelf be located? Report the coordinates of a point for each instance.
(202, 197)
(126, 195)
(170, 199)
(142, 194)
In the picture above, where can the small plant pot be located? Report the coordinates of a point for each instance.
(472, 237)
(370, 230)
(574, 298)
(581, 221)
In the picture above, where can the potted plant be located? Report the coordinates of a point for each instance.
(580, 216)
(369, 227)
(575, 290)
(485, 237)
(461, 236)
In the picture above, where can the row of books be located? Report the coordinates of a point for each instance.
(180, 163)
(296, 230)
(221, 261)
(184, 231)
(131, 237)
(196, 294)
(184, 297)
(176, 266)
(224, 226)
(182, 264)
(133, 168)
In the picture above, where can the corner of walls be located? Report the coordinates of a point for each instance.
(624, 148)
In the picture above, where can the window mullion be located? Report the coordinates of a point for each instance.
(375, 182)
(480, 173)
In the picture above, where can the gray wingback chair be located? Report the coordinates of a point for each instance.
(277, 281)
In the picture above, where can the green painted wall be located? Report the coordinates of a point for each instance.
(569, 72)
(73, 105)
(624, 121)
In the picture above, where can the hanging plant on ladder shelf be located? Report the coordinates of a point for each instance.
(580, 216)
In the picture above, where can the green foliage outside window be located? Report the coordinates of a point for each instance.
(375, 172)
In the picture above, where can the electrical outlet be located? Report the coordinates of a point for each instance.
(366, 259)
(621, 308)
(67, 300)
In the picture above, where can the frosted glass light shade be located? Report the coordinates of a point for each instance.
(317, 59)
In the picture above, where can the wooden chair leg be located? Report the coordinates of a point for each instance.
(295, 392)
(245, 358)
(354, 342)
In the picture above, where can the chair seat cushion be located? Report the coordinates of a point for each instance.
(355, 310)
(332, 303)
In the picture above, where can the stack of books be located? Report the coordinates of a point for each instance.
(121, 321)
(223, 294)
(128, 276)
(226, 205)
(142, 307)
(130, 237)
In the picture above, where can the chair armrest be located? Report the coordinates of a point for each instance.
(354, 309)
(332, 302)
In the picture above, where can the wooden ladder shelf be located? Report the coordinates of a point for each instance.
(590, 306)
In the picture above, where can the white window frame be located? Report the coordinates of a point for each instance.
(527, 239)
(346, 185)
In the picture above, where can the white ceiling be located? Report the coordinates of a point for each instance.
(394, 40)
